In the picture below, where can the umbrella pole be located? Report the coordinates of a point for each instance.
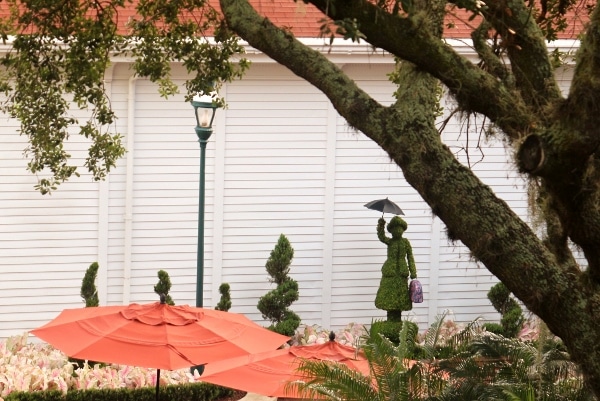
(157, 382)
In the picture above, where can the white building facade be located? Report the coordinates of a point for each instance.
(280, 161)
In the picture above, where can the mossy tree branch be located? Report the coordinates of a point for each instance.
(490, 60)
(414, 40)
(523, 42)
(564, 155)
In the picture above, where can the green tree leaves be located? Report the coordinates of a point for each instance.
(61, 50)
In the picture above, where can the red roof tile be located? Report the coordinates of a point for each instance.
(305, 20)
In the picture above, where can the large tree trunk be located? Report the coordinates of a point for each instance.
(543, 274)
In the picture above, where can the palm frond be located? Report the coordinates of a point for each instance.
(520, 394)
(432, 336)
(332, 381)
(444, 340)
(388, 363)
(556, 365)
(390, 377)
(461, 340)
(426, 380)
(500, 368)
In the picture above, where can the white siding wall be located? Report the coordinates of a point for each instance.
(274, 183)
(280, 161)
(44, 241)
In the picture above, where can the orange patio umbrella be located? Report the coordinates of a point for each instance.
(269, 372)
(156, 335)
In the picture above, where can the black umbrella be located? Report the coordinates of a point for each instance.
(384, 206)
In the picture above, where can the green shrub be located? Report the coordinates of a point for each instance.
(89, 293)
(183, 392)
(164, 286)
(53, 395)
(88, 286)
(512, 315)
(495, 328)
(225, 301)
(274, 305)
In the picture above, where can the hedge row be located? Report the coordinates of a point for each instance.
(183, 392)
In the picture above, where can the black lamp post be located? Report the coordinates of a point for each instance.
(205, 109)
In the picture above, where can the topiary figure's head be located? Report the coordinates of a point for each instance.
(397, 226)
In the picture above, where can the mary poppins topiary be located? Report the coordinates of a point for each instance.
(393, 294)
(274, 305)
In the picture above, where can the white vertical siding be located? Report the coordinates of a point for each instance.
(116, 253)
(164, 204)
(275, 175)
(462, 282)
(46, 243)
(281, 161)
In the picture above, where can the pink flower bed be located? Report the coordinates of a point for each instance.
(36, 367)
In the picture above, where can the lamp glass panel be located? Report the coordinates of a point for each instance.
(204, 117)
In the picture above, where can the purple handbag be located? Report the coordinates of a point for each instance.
(416, 291)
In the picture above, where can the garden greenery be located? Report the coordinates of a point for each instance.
(89, 293)
(224, 303)
(449, 362)
(275, 304)
(163, 286)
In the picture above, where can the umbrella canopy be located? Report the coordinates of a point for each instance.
(384, 206)
(156, 335)
(269, 372)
